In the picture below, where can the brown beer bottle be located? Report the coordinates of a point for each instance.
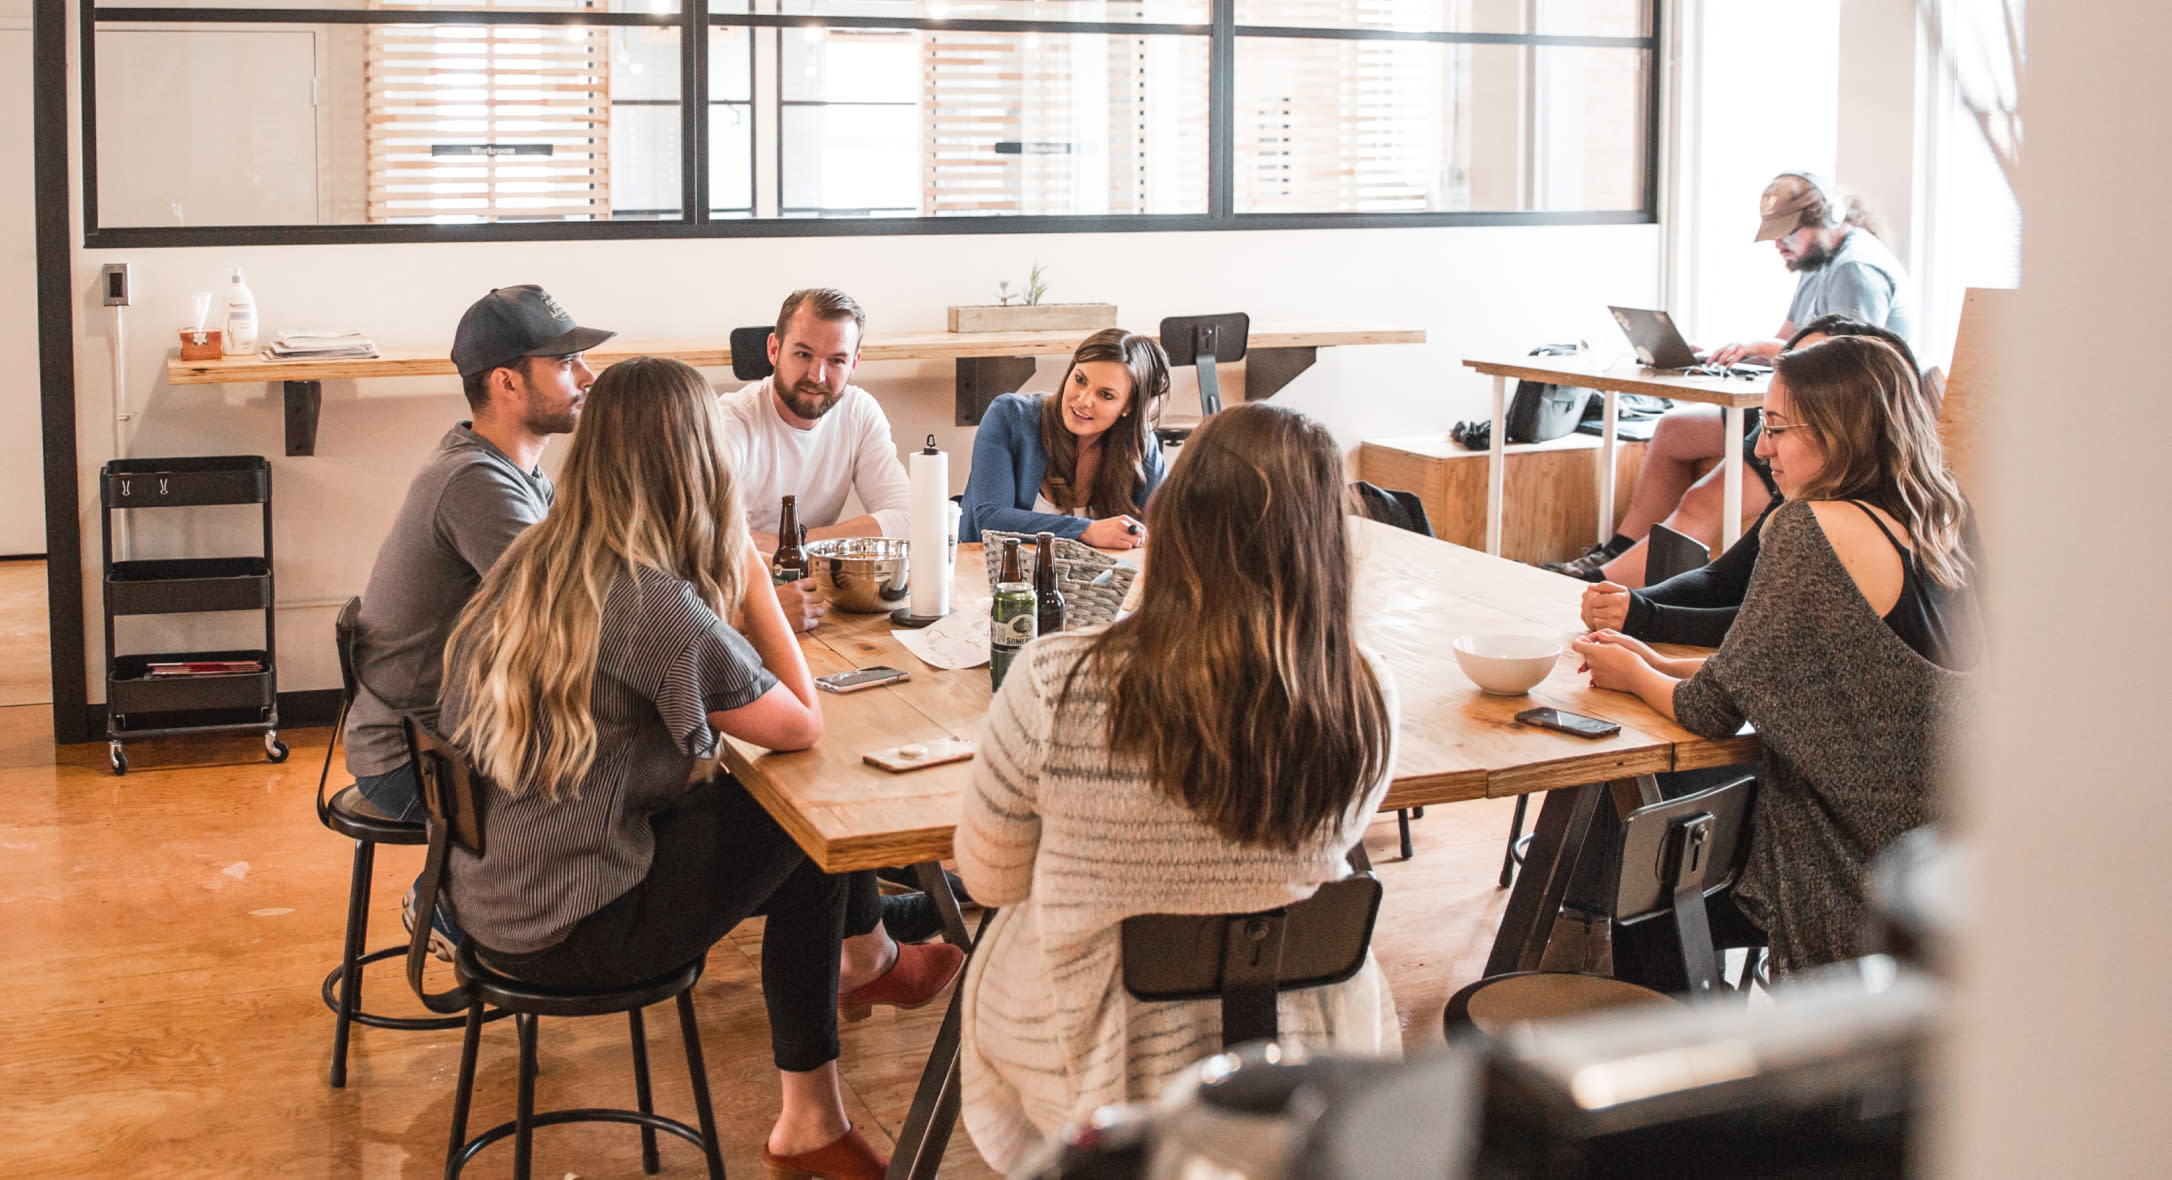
(1048, 600)
(790, 562)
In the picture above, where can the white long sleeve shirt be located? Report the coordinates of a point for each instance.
(847, 451)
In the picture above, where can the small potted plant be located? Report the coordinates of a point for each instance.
(1023, 312)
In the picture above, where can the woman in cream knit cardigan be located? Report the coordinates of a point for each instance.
(1217, 751)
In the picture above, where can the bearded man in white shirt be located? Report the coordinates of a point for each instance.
(806, 431)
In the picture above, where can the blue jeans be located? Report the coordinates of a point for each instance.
(396, 792)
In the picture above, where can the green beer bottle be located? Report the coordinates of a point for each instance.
(1012, 616)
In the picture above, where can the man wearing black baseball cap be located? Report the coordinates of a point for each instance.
(519, 356)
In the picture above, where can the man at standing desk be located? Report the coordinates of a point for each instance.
(1827, 239)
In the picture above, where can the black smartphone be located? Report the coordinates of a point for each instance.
(1567, 722)
(861, 678)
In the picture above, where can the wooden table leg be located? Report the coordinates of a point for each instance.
(1496, 466)
(934, 1112)
(1557, 841)
(1731, 481)
(1607, 448)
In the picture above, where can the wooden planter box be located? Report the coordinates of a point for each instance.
(1019, 317)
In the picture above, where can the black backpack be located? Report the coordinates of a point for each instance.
(1540, 412)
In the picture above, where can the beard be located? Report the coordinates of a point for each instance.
(557, 421)
(810, 401)
(1813, 258)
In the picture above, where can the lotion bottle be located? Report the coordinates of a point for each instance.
(240, 318)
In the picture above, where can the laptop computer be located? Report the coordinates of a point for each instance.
(1659, 345)
(1658, 342)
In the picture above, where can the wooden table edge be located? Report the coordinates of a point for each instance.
(931, 345)
(1619, 383)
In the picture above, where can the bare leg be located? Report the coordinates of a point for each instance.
(1698, 516)
(814, 1111)
(864, 958)
(1683, 438)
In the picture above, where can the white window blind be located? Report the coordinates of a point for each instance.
(1074, 123)
(488, 123)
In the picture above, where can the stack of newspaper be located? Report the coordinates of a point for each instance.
(322, 344)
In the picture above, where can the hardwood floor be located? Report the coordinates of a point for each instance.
(167, 933)
(26, 674)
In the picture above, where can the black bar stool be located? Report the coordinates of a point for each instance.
(348, 814)
(455, 795)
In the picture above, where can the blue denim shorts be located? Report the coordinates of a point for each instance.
(395, 792)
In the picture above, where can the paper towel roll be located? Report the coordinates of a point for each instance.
(929, 470)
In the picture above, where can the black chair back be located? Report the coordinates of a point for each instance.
(1669, 553)
(1678, 852)
(750, 353)
(455, 795)
(346, 636)
(1249, 959)
(1203, 340)
(1404, 510)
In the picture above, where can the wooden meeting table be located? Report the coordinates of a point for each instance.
(1733, 395)
(1416, 595)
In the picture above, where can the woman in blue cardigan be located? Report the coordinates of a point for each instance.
(1078, 463)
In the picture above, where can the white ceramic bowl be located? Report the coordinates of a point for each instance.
(1507, 665)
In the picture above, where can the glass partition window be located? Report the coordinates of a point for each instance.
(218, 123)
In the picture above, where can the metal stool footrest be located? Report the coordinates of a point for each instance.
(505, 1130)
(405, 1023)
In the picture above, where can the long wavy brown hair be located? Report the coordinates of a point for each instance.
(1123, 446)
(1238, 680)
(645, 484)
(1858, 397)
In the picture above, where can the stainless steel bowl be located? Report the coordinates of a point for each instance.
(866, 574)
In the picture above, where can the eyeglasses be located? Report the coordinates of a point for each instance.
(1775, 431)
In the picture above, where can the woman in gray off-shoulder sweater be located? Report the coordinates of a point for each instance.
(1851, 655)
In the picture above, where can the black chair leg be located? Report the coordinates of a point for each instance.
(649, 1162)
(524, 1113)
(1402, 832)
(699, 1073)
(464, 1091)
(1515, 832)
(350, 971)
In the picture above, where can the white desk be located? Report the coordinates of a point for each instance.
(1732, 394)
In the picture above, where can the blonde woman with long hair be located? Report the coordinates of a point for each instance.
(1217, 751)
(1855, 647)
(594, 667)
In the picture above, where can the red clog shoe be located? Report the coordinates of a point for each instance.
(847, 1157)
(920, 974)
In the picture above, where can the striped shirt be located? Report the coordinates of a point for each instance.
(1070, 841)
(665, 662)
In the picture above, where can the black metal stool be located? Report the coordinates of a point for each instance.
(348, 814)
(455, 795)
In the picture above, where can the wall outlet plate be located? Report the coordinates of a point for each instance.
(116, 289)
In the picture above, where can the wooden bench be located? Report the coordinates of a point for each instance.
(1551, 512)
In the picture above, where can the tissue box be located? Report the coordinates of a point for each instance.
(203, 344)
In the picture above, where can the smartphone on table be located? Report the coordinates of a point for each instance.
(1567, 722)
(861, 678)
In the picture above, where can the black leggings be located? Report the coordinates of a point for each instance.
(719, 860)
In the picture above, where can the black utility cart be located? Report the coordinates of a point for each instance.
(156, 694)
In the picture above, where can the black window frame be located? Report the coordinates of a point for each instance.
(694, 221)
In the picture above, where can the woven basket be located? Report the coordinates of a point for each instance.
(1080, 570)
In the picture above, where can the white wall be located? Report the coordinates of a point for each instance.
(2062, 1064)
(1766, 101)
(22, 482)
(1472, 290)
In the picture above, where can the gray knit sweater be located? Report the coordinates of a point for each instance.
(1855, 726)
